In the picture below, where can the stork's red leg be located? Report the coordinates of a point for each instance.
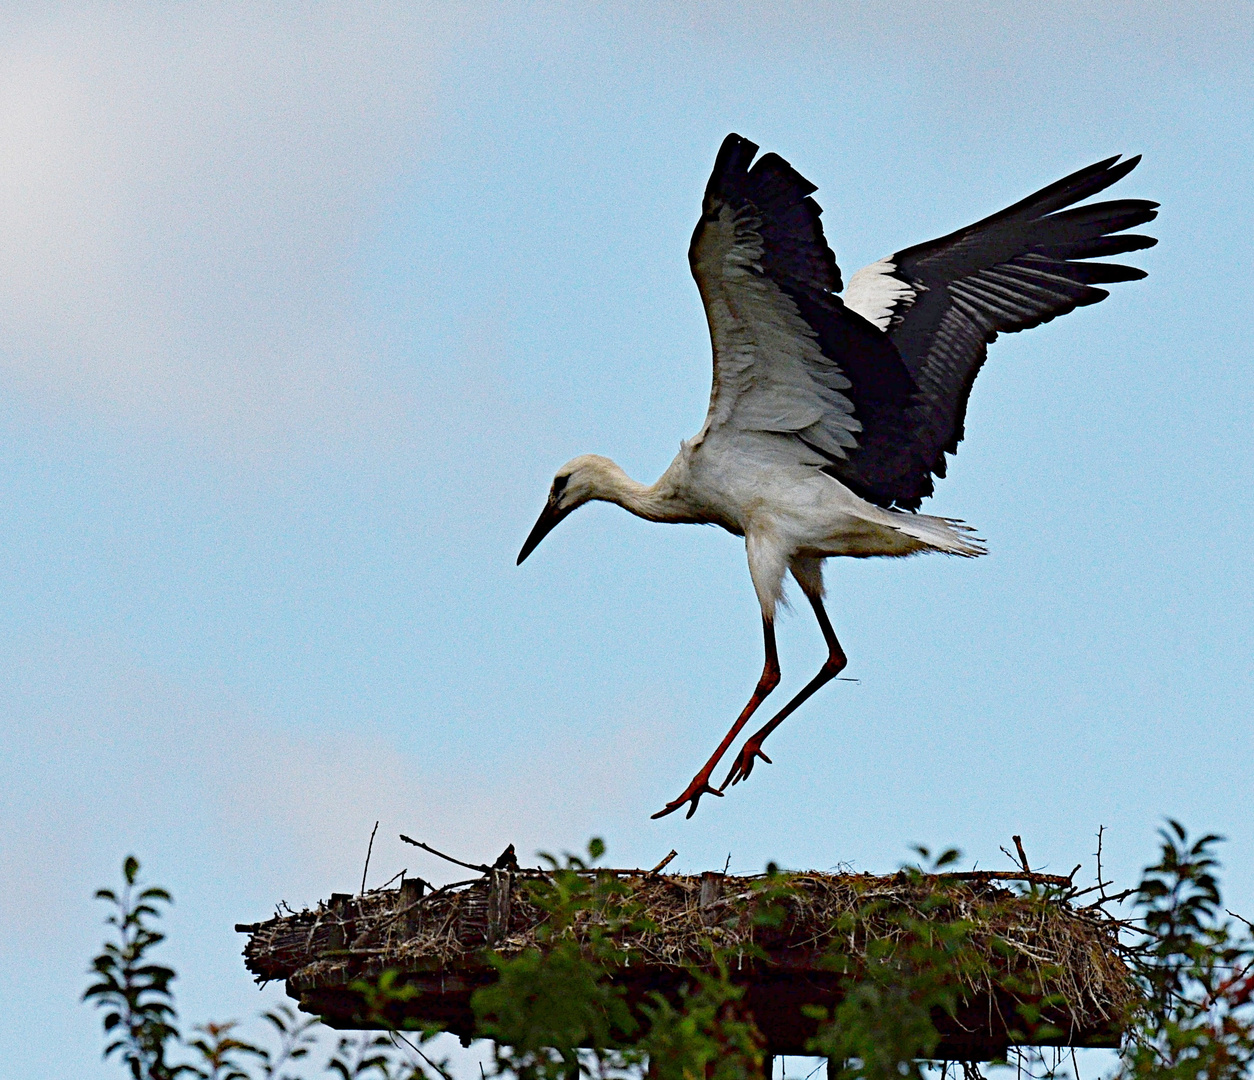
(833, 666)
(701, 782)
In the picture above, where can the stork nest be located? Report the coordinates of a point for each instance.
(1034, 945)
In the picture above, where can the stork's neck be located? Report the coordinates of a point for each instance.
(662, 501)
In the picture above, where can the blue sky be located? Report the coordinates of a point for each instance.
(300, 310)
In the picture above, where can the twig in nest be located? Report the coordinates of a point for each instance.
(369, 849)
(1100, 829)
(1023, 858)
(1032, 877)
(389, 881)
(447, 858)
(665, 862)
(1117, 898)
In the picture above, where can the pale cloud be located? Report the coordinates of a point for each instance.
(103, 755)
(184, 187)
(316, 797)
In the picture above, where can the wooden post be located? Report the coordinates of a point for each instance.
(411, 891)
(342, 924)
(498, 906)
(711, 890)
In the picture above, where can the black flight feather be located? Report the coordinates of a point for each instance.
(1011, 271)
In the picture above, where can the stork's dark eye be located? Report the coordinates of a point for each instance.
(559, 484)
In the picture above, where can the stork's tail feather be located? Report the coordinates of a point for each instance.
(950, 535)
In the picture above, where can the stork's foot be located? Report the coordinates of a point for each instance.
(700, 786)
(749, 754)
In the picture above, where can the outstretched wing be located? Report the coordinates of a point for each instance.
(789, 357)
(942, 303)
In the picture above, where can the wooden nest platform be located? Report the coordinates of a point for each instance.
(1062, 958)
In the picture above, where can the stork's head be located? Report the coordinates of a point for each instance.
(581, 480)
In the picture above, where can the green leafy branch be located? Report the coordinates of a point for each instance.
(140, 1021)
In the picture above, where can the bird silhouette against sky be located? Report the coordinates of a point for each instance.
(830, 416)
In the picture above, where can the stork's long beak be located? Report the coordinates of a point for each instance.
(545, 524)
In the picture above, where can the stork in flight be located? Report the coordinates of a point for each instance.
(830, 416)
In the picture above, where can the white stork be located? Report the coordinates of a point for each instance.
(829, 417)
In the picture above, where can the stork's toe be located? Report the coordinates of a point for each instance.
(744, 764)
(692, 796)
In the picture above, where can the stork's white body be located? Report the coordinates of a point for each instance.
(791, 516)
(830, 416)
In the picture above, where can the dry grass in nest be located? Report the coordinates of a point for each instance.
(1030, 939)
